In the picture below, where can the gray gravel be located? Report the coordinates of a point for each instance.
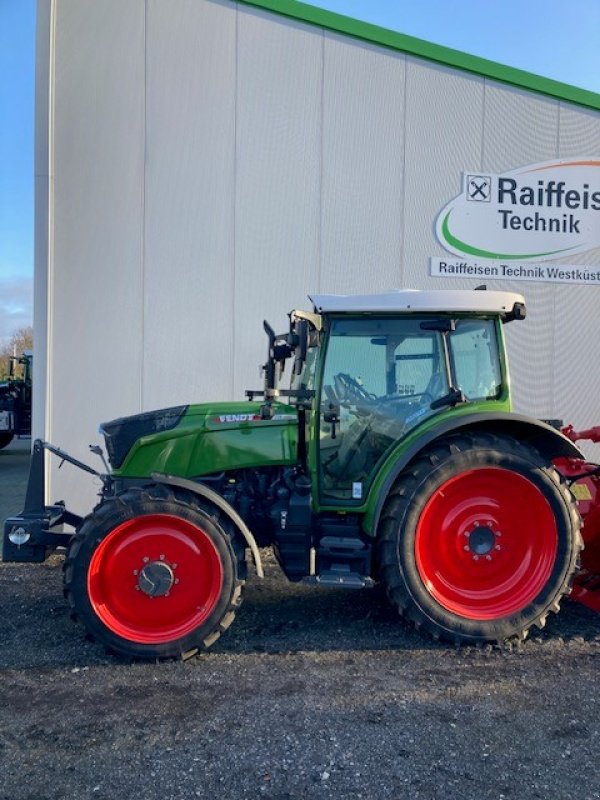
(311, 694)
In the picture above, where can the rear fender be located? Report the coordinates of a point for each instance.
(546, 439)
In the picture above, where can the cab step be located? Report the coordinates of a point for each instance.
(340, 576)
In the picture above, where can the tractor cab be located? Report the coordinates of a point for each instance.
(381, 366)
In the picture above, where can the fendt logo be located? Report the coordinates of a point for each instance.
(534, 213)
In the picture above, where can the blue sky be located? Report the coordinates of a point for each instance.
(548, 37)
(17, 63)
(553, 38)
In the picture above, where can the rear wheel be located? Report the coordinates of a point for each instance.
(6, 439)
(479, 539)
(151, 574)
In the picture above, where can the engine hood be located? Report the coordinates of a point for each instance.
(196, 440)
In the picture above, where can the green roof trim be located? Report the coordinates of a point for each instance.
(432, 52)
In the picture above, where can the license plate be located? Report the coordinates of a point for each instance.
(5, 421)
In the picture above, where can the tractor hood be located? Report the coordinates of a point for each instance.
(196, 440)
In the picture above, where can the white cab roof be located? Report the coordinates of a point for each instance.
(414, 300)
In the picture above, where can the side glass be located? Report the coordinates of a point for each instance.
(379, 380)
(306, 379)
(474, 350)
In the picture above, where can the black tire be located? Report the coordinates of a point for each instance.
(451, 586)
(6, 439)
(135, 605)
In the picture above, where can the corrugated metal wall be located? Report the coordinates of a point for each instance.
(212, 164)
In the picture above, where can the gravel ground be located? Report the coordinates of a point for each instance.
(311, 694)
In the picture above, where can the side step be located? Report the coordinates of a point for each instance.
(343, 561)
(339, 576)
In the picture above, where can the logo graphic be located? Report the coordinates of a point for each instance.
(479, 188)
(538, 212)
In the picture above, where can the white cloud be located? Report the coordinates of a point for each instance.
(16, 305)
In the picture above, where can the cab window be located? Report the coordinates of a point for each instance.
(474, 350)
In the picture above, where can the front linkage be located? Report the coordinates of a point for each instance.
(38, 529)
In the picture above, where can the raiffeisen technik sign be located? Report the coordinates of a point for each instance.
(537, 213)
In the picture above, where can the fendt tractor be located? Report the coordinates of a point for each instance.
(15, 399)
(393, 458)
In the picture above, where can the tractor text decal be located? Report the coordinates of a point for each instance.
(251, 418)
(237, 418)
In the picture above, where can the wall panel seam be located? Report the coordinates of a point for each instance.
(232, 367)
(49, 265)
(143, 214)
(403, 211)
(321, 168)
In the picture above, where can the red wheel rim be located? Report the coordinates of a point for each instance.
(157, 553)
(486, 543)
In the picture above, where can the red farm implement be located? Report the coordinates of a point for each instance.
(584, 478)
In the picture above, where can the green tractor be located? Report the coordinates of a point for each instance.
(15, 399)
(393, 457)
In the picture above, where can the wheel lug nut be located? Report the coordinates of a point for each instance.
(489, 524)
(161, 557)
(136, 572)
(145, 559)
(497, 547)
(475, 558)
(466, 547)
(488, 558)
(176, 580)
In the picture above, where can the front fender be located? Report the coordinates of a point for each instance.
(549, 441)
(219, 502)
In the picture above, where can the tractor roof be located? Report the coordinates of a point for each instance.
(507, 304)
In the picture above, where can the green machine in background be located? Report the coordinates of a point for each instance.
(15, 399)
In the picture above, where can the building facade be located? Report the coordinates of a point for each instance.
(204, 164)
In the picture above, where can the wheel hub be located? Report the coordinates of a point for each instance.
(156, 579)
(481, 540)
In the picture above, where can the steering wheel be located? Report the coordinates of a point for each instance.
(349, 390)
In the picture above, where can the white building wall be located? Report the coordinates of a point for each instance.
(189, 201)
(95, 266)
(210, 164)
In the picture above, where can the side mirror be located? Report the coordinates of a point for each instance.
(300, 343)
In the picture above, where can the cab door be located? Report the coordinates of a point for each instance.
(379, 379)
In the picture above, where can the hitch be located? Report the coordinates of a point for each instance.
(38, 529)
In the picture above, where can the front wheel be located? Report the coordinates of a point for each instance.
(151, 574)
(479, 539)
